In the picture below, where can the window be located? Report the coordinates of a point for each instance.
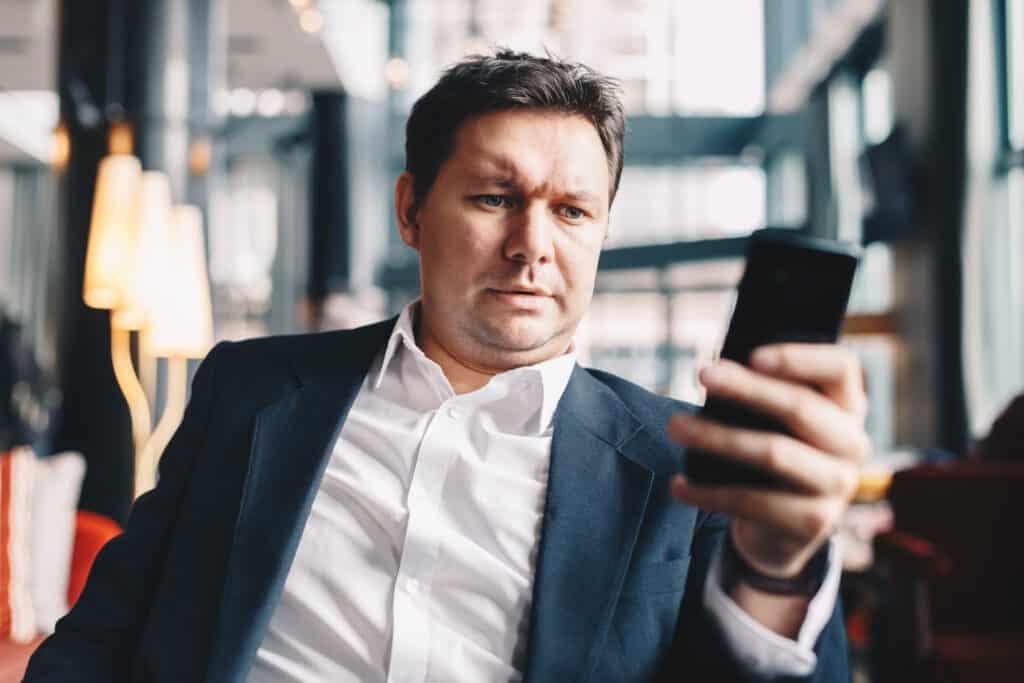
(719, 58)
(697, 201)
(876, 104)
(994, 227)
(658, 328)
(1015, 62)
(675, 57)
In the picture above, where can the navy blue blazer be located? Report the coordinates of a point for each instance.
(187, 591)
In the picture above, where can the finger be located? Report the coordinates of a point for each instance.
(798, 516)
(811, 470)
(811, 417)
(834, 370)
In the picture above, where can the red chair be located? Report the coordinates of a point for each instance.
(92, 531)
(955, 566)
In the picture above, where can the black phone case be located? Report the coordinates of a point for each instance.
(794, 288)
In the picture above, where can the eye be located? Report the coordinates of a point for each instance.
(494, 201)
(573, 213)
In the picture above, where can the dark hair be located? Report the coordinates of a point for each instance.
(509, 80)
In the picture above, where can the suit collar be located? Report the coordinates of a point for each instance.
(291, 442)
(598, 488)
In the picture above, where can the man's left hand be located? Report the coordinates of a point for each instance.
(817, 391)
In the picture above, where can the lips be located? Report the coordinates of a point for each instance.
(522, 290)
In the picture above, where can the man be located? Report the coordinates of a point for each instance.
(448, 496)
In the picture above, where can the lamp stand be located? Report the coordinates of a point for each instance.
(124, 373)
(174, 410)
(148, 364)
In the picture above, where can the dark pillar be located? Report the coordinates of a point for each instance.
(945, 210)
(94, 417)
(927, 55)
(156, 85)
(329, 223)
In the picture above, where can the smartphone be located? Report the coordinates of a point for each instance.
(794, 289)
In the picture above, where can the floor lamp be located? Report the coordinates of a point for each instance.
(180, 327)
(146, 264)
(109, 259)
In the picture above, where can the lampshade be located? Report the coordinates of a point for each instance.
(112, 231)
(181, 324)
(148, 265)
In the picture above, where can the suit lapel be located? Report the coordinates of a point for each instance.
(291, 445)
(598, 488)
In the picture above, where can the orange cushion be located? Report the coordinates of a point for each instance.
(92, 531)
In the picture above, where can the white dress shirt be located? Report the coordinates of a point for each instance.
(417, 560)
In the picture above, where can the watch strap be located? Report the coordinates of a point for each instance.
(806, 583)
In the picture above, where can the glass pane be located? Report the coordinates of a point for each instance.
(877, 93)
(698, 201)
(656, 339)
(878, 358)
(8, 265)
(872, 285)
(699, 322)
(243, 241)
(1015, 249)
(623, 333)
(730, 36)
(660, 49)
(1015, 82)
(786, 199)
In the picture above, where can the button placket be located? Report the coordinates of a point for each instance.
(411, 631)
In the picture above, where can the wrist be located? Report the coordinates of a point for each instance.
(804, 580)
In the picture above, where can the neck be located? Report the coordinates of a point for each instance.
(465, 374)
(463, 377)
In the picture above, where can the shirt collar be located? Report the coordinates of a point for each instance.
(402, 333)
(554, 373)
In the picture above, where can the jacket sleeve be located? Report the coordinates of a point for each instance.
(699, 650)
(97, 639)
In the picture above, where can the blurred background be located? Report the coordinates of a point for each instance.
(897, 125)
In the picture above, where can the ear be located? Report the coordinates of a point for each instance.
(406, 210)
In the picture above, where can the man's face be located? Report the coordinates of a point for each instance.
(509, 236)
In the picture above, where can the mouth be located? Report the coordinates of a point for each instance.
(520, 298)
(522, 291)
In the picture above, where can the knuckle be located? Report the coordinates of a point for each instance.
(712, 436)
(860, 405)
(864, 448)
(852, 363)
(802, 408)
(847, 481)
(776, 452)
(817, 522)
(786, 361)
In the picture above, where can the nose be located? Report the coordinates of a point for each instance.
(530, 237)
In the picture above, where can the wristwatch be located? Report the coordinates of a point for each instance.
(806, 583)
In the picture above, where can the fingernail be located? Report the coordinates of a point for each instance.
(766, 359)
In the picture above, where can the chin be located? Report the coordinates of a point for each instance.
(518, 336)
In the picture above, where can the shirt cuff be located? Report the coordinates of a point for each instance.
(762, 651)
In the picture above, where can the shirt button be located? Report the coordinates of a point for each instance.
(412, 586)
(454, 413)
